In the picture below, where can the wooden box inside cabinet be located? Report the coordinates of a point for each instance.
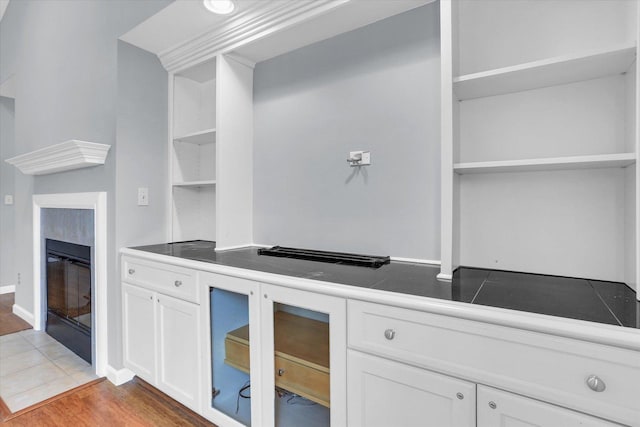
(301, 355)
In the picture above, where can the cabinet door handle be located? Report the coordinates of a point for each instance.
(389, 334)
(280, 372)
(596, 384)
(131, 271)
(177, 283)
(492, 405)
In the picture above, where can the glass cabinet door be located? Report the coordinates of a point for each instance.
(229, 399)
(305, 353)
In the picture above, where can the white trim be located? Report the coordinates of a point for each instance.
(119, 376)
(68, 155)
(248, 245)
(242, 60)
(260, 21)
(7, 289)
(23, 314)
(98, 203)
(447, 210)
(416, 260)
(443, 276)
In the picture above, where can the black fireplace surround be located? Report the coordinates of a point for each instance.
(69, 295)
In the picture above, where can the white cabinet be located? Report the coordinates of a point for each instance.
(499, 408)
(258, 338)
(540, 141)
(386, 393)
(536, 365)
(139, 308)
(308, 361)
(162, 335)
(178, 325)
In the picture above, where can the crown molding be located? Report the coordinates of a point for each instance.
(72, 154)
(261, 20)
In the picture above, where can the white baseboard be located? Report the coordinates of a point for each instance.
(416, 260)
(23, 314)
(228, 248)
(7, 289)
(119, 376)
(447, 277)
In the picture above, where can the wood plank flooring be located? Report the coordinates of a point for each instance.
(102, 404)
(9, 322)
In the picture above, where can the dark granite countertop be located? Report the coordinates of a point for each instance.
(591, 300)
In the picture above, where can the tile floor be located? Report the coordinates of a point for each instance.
(35, 367)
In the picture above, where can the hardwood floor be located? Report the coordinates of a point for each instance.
(102, 404)
(9, 322)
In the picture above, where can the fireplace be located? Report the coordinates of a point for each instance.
(68, 281)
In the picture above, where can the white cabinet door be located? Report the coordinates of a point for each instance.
(500, 408)
(385, 393)
(179, 350)
(139, 331)
(323, 308)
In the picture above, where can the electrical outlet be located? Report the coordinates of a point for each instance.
(359, 158)
(18, 278)
(8, 199)
(143, 196)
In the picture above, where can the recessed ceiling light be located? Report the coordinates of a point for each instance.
(221, 7)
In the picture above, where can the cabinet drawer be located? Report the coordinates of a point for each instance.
(167, 279)
(295, 370)
(542, 366)
(303, 380)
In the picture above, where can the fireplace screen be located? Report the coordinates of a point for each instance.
(69, 295)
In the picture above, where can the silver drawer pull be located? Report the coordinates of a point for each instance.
(389, 334)
(280, 372)
(178, 283)
(131, 271)
(595, 383)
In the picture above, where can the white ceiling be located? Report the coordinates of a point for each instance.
(183, 20)
(179, 21)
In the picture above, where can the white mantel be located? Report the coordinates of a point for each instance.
(68, 155)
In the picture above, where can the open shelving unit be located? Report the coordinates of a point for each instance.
(193, 153)
(211, 119)
(620, 160)
(540, 138)
(546, 72)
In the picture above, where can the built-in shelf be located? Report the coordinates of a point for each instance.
(555, 163)
(194, 183)
(68, 155)
(207, 136)
(546, 72)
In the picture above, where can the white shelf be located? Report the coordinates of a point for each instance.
(555, 163)
(546, 72)
(207, 136)
(194, 183)
(68, 155)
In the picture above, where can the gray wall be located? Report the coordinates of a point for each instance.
(8, 274)
(64, 56)
(141, 161)
(375, 88)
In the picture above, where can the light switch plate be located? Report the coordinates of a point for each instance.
(8, 199)
(143, 196)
